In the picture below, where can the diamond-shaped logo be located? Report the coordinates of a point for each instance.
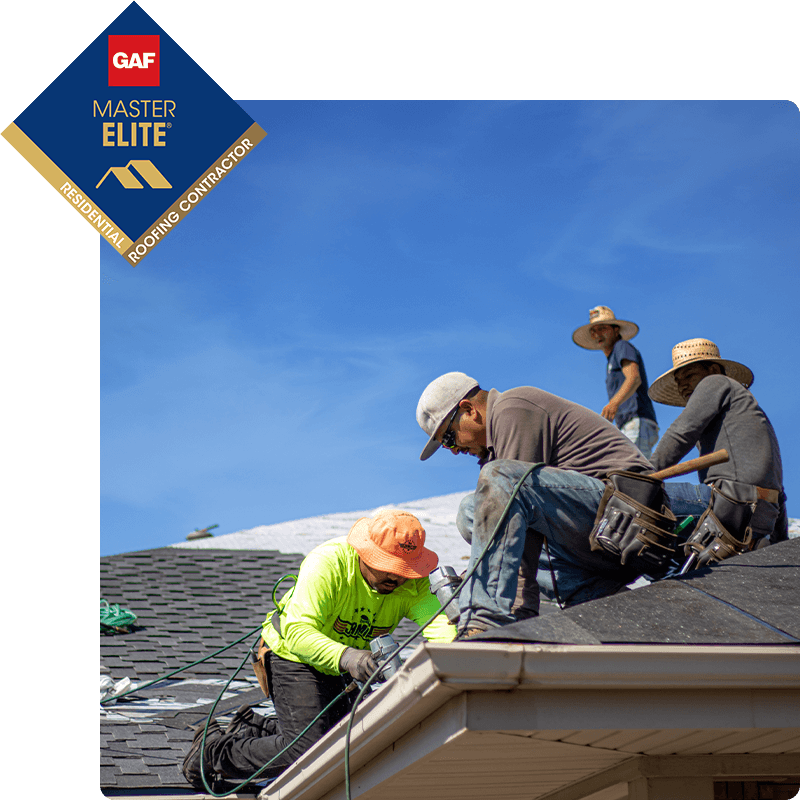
(134, 134)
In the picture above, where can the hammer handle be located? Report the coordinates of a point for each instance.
(717, 457)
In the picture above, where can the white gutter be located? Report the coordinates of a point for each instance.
(436, 673)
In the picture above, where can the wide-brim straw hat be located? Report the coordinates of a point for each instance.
(393, 541)
(664, 389)
(602, 315)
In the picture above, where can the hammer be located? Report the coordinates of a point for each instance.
(685, 467)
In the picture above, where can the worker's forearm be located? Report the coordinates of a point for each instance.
(629, 386)
(627, 390)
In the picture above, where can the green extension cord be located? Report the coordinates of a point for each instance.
(350, 686)
(414, 635)
(141, 686)
(194, 663)
(210, 716)
(115, 616)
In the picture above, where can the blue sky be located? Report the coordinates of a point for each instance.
(264, 363)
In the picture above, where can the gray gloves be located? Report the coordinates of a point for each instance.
(359, 663)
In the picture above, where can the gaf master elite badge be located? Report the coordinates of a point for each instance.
(134, 134)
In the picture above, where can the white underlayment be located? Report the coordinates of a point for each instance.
(437, 515)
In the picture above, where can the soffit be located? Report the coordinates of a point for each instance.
(454, 735)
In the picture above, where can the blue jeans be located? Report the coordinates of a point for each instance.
(643, 433)
(575, 579)
(688, 499)
(534, 569)
(559, 505)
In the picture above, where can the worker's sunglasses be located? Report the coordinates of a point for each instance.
(449, 437)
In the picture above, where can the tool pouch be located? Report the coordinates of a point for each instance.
(735, 522)
(634, 521)
(260, 660)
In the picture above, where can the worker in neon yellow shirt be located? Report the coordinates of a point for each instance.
(349, 590)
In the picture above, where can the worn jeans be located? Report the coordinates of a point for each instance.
(573, 582)
(687, 499)
(553, 504)
(643, 433)
(299, 693)
(534, 571)
(556, 504)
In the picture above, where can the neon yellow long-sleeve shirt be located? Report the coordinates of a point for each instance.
(332, 607)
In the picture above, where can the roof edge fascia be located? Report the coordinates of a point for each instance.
(435, 673)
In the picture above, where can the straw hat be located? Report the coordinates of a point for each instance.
(393, 541)
(664, 389)
(605, 316)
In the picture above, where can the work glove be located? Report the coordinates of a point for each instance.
(359, 663)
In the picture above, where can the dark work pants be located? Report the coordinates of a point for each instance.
(299, 693)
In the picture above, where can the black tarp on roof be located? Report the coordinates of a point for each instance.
(752, 599)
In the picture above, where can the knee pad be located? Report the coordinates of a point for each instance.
(464, 517)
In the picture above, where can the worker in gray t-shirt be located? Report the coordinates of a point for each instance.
(507, 432)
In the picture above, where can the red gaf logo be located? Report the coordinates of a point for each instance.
(134, 60)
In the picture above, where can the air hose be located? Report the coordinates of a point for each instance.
(470, 572)
(368, 683)
(350, 687)
(141, 686)
(164, 677)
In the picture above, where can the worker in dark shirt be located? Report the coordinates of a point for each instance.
(747, 504)
(629, 407)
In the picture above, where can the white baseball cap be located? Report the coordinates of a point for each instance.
(440, 399)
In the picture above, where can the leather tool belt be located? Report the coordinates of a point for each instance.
(738, 518)
(259, 656)
(634, 521)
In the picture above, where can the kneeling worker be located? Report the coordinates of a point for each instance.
(747, 504)
(509, 432)
(349, 590)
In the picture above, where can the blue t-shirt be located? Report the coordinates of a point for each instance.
(639, 404)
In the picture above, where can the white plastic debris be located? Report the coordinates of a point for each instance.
(109, 689)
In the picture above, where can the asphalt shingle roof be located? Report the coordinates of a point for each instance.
(753, 599)
(193, 601)
(188, 603)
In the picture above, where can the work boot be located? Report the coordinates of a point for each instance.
(191, 764)
(468, 633)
